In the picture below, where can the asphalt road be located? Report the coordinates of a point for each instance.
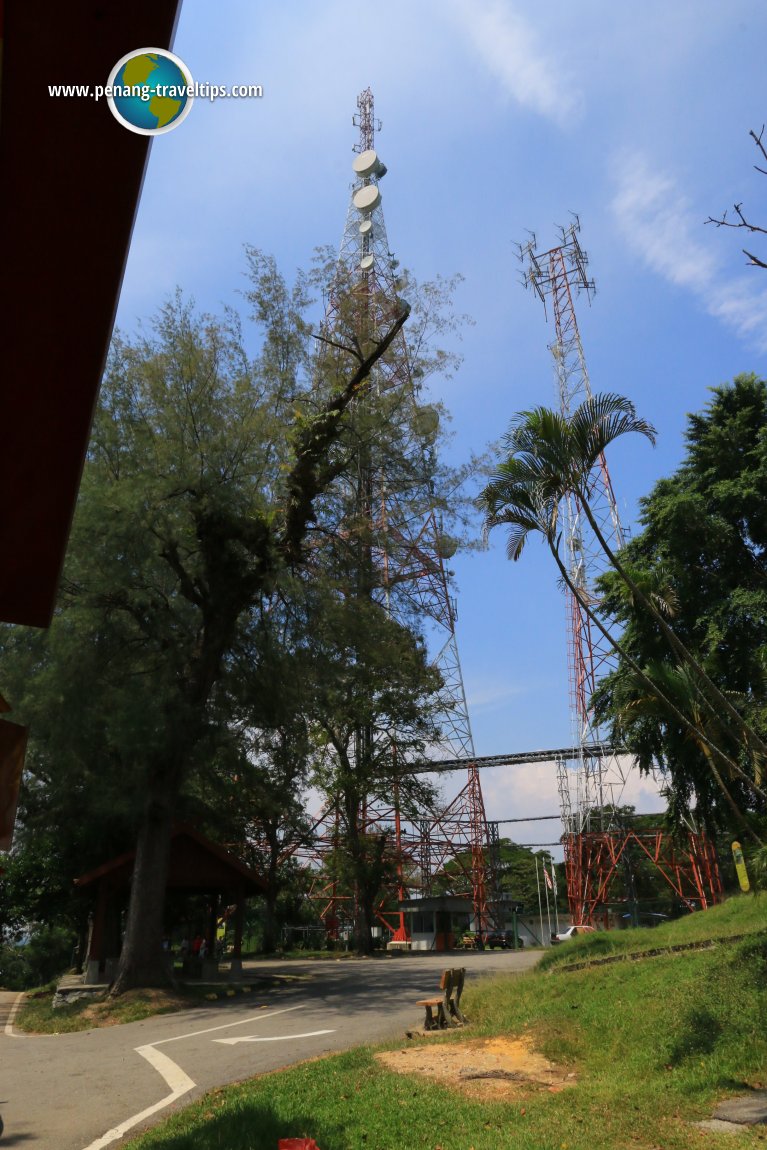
(92, 1089)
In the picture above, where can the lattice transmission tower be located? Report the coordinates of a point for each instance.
(559, 275)
(591, 788)
(408, 552)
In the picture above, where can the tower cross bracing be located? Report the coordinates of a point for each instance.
(591, 785)
(408, 552)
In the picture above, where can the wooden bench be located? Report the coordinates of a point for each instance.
(448, 1004)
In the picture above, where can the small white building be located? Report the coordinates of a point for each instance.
(441, 921)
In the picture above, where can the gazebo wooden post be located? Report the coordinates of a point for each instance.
(235, 968)
(96, 947)
(213, 926)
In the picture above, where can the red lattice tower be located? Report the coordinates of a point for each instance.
(592, 840)
(688, 866)
(408, 551)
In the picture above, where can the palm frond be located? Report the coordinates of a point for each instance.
(598, 422)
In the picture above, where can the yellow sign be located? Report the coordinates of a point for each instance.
(740, 867)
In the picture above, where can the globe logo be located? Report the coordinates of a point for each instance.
(149, 91)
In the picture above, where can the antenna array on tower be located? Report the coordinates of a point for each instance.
(408, 552)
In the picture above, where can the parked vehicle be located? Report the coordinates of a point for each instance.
(571, 932)
(490, 939)
(502, 938)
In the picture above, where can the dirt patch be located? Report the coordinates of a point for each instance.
(481, 1067)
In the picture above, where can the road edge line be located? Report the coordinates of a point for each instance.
(180, 1084)
(14, 1010)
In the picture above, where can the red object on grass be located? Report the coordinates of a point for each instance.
(297, 1144)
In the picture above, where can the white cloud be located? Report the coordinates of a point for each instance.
(509, 49)
(513, 792)
(660, 225)
(744, 309)
(493, 695)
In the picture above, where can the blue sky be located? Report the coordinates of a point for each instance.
(498, 117)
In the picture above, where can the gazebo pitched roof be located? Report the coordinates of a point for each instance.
(196, 863)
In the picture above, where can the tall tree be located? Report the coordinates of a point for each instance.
(198, 491)
(550, 456)
(374, 701)
(704, 542)
(375, 693)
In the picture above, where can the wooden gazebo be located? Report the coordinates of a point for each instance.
(196, 864)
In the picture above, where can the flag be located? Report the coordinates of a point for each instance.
(547, 876)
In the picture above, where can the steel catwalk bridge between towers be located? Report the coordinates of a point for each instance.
(518, 758)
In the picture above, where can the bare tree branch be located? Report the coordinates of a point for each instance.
(355, 351)
(758, 141)
(742, 221)
(310, 472)
(754, 260)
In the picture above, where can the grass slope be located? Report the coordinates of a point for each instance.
(654, 1045)
(737, 916)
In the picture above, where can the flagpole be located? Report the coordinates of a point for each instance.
(546, 892)
(556, 893)
(540, 908)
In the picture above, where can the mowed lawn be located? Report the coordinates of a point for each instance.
(653, 1044)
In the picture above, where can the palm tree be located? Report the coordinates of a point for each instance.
(551, 457)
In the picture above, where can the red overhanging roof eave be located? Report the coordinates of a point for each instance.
(70, 181)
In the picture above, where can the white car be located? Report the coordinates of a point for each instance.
(572, 932)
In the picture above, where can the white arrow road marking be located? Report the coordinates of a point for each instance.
(227, 1025)
(179, 1082)
(276, 1038)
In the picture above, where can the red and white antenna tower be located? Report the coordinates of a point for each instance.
(593, 843)
(559, 274)
(409, 551)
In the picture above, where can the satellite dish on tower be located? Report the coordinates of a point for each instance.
(367, 199)
(367, 164)
(366, 263)
(366, 227)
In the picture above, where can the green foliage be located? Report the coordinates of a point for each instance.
(46, 954)
(178, 679)
(547, 457)
(758, 869)
(551, 458)
(703, 549)
(515, 869)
